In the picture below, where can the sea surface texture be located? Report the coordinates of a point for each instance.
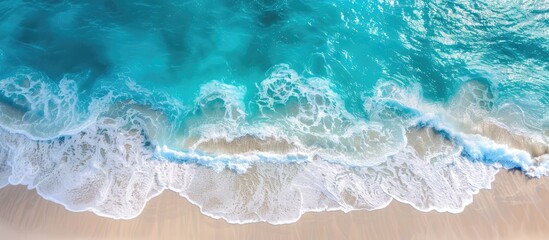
(262, 110)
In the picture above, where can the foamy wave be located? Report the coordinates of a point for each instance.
(304, 152)
(34, 105)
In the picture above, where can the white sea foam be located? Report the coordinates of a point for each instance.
(41, 109)
(431, 156)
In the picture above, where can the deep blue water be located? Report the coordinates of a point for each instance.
(101, 91)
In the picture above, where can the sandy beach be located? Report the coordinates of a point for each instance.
(515, 208)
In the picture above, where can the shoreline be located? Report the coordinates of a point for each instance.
(515, 208)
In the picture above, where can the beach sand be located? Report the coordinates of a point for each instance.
(515, 208)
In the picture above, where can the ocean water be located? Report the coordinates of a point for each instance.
(263, 110)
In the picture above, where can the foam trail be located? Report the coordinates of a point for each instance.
(240, 163)
(479, 148)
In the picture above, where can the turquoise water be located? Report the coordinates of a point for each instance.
(264, 110)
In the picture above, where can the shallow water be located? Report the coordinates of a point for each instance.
(264, 110)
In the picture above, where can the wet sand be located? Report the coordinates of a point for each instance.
(515, 208)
